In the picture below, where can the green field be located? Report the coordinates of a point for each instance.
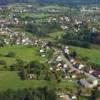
(10, 80)
(22, 52)
(36, 15)
(53, 37)
(56, 34)
(92, 54)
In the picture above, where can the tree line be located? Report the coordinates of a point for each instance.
(83, 37)
(29, 94)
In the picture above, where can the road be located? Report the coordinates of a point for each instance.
(72, 67)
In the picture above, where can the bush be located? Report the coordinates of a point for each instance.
(43, 93)
(29, 46)
(77, 43)
(2, 62)
(10, 54)
(1, 55)
(13, 67)
(23, 74)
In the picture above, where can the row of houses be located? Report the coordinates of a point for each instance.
(89, 82)
(11, 37)
(74, 23)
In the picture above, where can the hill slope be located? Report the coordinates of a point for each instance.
(52, 1)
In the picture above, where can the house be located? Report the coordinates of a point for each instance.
(95, 83)
(74, 97)
(74, 76)
(85, 83)
(72, 60)
(96, 73)
(32, 76)
(65, 66)
(61, 18)
(59, 59)
(58, 69)
(66, 50)
(77, 22)
(81, 66)
(43, 55)
(51, 68)
(67, 18)
(94, 29)
(67, 77)
(89, 83)
(41, 51)
(54, 19)
(59, 65)
(65, 97)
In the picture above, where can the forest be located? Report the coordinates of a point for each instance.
(29, 94)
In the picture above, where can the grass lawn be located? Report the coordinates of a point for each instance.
(11, 80)
(53, 36)
(36, 15)
(56, 34)
(92, 54)
(22, 52)
(83, 98)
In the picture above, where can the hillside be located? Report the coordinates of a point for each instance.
(51, 1)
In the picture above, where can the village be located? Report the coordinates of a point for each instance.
(62, 64)
(72, 69)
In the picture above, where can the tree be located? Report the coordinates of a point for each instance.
(32, 28)
(29, 94)
(81, 38)
(10, 54)
(2, 43)
(23, 74)
(73, 54)
(35, 68)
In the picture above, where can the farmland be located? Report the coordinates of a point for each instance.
(22, 52)
(11, 80)
(92, 54)
(49, 51)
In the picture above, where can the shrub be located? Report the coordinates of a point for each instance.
(23, 74)
(13, 67)
(29, 46)
(1, 55)
(10, 54)
(2, 62)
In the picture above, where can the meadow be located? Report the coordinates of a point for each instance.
(93, 54)
(24, 53)
(11, 80)
(37, 16)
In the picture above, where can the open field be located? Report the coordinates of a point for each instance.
(56, 34)
(92, 54)
(22, 52)
(10, 80)
(35, 15)
(53, 36)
